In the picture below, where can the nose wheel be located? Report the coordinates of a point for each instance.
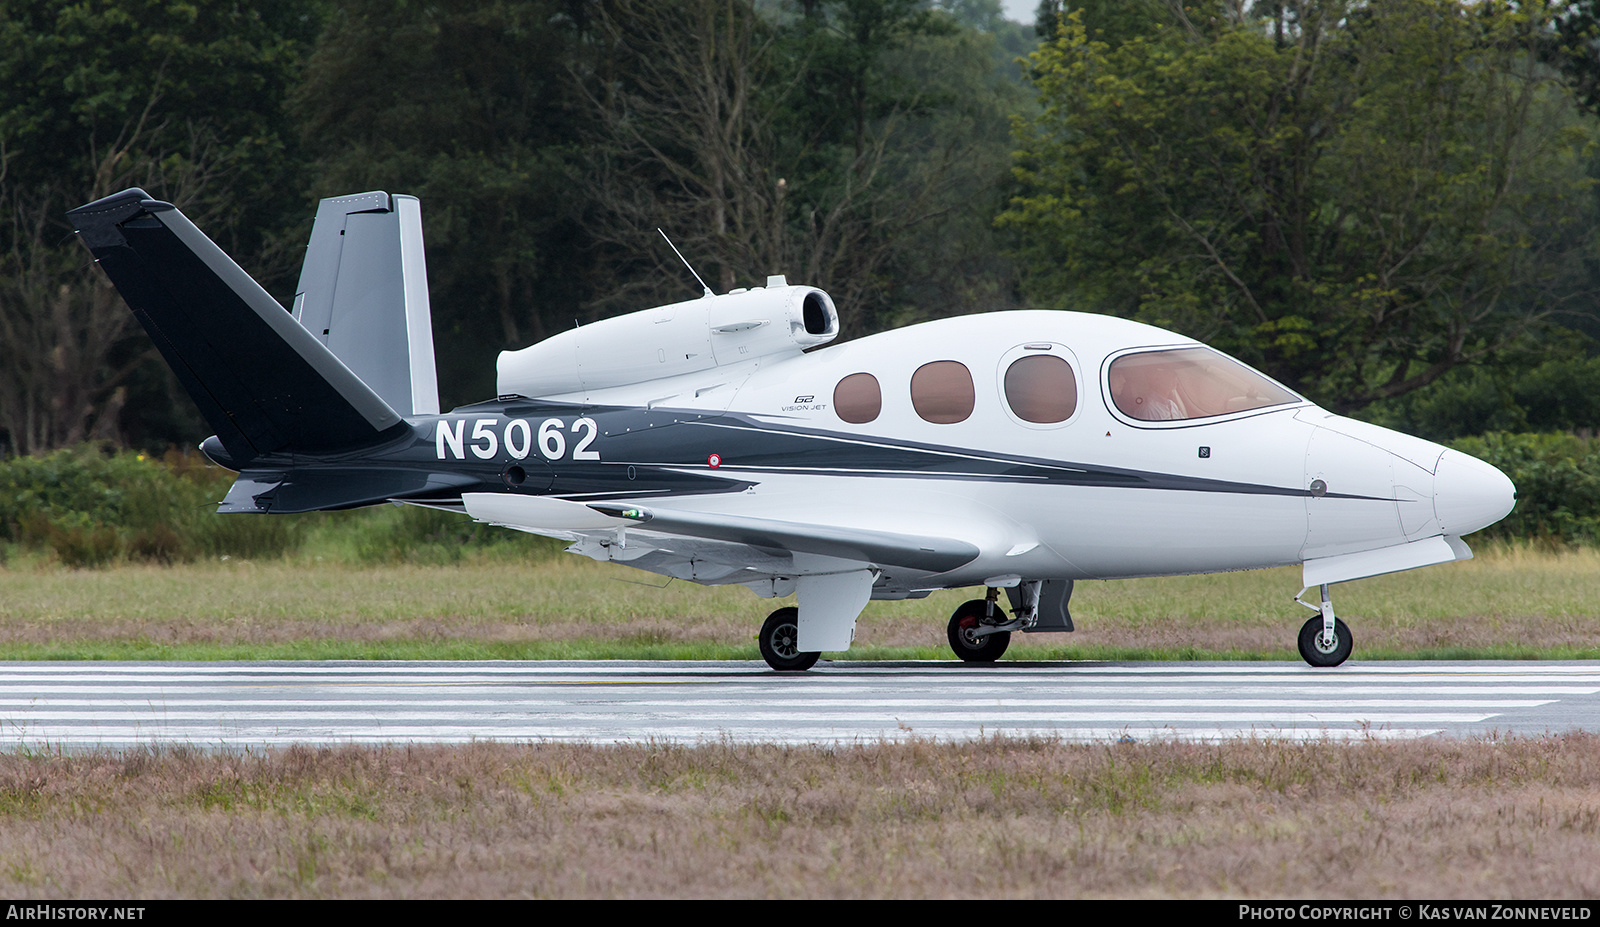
(1319, 649)
(780, 642)
(1324, 640)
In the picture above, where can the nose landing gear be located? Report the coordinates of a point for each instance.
(1324, 640)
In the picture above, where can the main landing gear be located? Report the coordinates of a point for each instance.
(780, 641)
(1324, 640)
(979, 631)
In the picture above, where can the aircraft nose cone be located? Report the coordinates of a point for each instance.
(1469, 494)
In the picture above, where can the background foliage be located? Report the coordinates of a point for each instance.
(1355, 197)
(92, 505)
(180, 98)
(1558, 484)
(1391, 207)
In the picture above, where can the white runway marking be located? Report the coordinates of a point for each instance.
(85, 705)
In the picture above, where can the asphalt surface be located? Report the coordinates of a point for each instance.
(220, 705)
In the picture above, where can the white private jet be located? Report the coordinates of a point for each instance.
(715, 440)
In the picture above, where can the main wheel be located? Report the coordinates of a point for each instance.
(968, 647)
(780, 641)
(1319, 652)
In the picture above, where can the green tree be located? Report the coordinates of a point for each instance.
(1525, 394)
(856, 145)
(1356, 197)
(180, 98)
(474, 107)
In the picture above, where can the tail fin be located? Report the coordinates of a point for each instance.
(260, 379)
(364, 293)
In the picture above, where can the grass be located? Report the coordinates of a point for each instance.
(1497, 818)
(1511, 818)
(523, 603)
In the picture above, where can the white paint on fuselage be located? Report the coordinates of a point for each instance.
(1379, 483)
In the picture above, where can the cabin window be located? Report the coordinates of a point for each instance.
(857, 399)
(1186, 383)
(1041, 388)
(942, 392)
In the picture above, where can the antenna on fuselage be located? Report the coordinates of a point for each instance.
(685, 262)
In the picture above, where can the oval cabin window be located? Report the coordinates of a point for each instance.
(1041, 388)
(857, 399)
(942, 392)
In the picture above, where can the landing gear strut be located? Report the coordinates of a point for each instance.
(780, 641)
(1324, 640)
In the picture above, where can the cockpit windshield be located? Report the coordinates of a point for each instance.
(1176, 384)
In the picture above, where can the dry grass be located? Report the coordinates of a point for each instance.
(1514, 818)
(1001, 818)
(1507, 602)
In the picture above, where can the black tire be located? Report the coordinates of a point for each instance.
(1312, 649)
(780, 635)
(975, 649)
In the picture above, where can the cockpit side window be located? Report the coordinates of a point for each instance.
(1187, 383)
(858, 399)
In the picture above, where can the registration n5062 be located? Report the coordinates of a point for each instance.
(517, 437)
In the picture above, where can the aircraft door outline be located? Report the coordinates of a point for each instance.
(1043, 347)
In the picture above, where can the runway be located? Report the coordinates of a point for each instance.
(220, 705)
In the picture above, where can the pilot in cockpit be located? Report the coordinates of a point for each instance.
(1148, 392)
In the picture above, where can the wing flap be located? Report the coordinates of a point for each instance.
(537, 513)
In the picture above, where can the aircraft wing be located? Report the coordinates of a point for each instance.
(560, 518)
(930, 554)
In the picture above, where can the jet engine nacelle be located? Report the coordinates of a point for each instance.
(671, 340)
